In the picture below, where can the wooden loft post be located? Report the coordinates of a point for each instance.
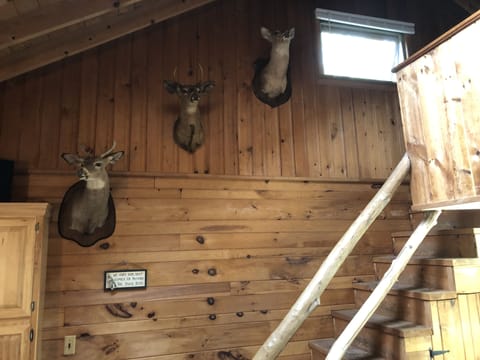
(439, 92)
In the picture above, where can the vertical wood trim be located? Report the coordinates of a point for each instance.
(216, 99)
(311, 107)
(28, 152)
(474, 320)
(350, 134)
(201, 158)
(360, 101)
(88, 98)
(230, 101)
(50, 118)
(393, 122)
(244, 98)
(466, 319)
(187, 73)
(155, 94)
(138, 123)
(287, 156)
(451, 330)
(272, 143)
(122, 105)
(298, 116)
(13, 92)
(105, 99)
(377, 137)
(170, 104)
(436, 328)
(70, 108)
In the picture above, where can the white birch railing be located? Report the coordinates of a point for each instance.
(310, 297)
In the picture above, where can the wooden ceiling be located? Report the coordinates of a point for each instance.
(34, 33)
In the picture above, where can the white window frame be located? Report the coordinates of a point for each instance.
(360, 24)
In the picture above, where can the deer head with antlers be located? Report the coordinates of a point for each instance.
(188, 129)
(271, 83)
(87, 212)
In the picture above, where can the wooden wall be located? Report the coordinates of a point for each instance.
(115, 92)
(264, 239)
(266, 231)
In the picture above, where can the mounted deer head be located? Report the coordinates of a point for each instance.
(87, 205)
(271, 83)
(188, 129)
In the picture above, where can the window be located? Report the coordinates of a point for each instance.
(361, 47)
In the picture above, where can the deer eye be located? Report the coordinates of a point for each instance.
(98, 164)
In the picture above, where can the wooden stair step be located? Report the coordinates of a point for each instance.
(321, 347)
(387, 336)
(421, 293)
(387, 324)
(455, 274)
(404, 301)
(455, 243)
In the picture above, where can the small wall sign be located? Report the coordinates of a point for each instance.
(125, 279)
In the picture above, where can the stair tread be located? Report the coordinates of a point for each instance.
(352, 353)
(422, 293)
(432, 261)
(390, 325)
(468, 230)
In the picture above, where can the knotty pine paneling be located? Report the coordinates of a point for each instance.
(115, 92)
(264, 238)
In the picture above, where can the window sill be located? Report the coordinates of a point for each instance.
(357, 83)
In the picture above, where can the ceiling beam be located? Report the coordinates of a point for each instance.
(111, 26)
(469, 5)
(55, 16)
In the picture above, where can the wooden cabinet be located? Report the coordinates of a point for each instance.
(23, 251)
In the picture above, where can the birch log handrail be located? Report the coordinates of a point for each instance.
(346, 338)
(310, 297)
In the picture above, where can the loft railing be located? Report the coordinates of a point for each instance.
(310, 297)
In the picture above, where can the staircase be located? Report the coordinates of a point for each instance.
(434, 307)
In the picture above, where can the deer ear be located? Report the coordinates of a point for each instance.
(291, 33)
(207, 86)
(112, 158)
(71, 159)
(171, 86)
(266, 34)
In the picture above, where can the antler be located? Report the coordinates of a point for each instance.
(201, 72)
(109, 150)
(175, 74)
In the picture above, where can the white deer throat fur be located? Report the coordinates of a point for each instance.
(96, 184)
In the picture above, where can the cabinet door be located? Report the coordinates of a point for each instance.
(15, 339)
(17, 254)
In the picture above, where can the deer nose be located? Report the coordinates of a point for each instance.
(194, 97)
(82, 174)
